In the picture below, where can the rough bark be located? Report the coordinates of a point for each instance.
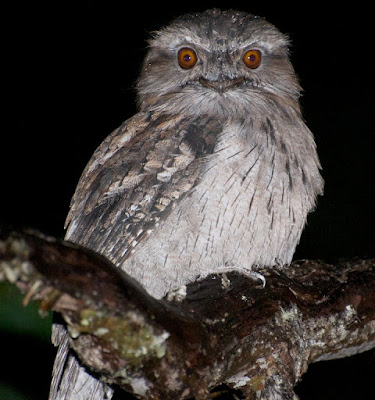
(226, 329)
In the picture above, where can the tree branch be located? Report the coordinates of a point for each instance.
(227, 329)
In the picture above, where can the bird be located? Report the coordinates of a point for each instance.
(216, 172)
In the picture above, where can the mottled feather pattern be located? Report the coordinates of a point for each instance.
(216, 172)
(236, 174)
(134, 188)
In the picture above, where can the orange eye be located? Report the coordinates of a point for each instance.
(252, 58)
(187, 58)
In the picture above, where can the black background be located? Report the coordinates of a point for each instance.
(69, 81)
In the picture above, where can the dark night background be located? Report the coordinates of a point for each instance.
(69, 81)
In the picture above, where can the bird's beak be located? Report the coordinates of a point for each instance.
(221, 85)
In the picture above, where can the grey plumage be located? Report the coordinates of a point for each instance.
(216, 172)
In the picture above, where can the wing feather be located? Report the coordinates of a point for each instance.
(135, 178)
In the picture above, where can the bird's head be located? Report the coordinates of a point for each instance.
(216, 61)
